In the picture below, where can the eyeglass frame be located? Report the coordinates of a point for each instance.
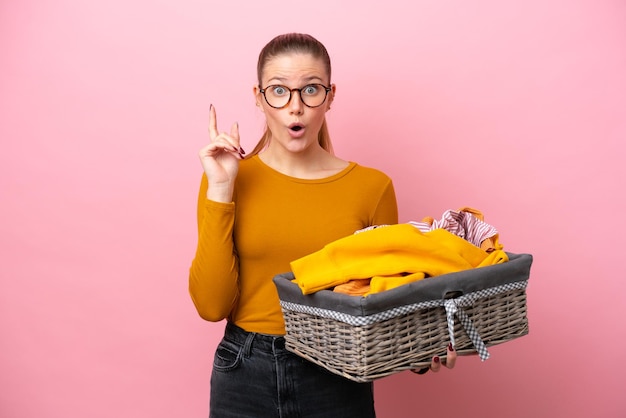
(326, 89)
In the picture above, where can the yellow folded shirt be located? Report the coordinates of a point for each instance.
(382, 283)
(388, 251)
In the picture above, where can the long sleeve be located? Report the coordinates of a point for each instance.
(215, 268)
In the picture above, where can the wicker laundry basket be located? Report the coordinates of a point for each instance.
(366, 338)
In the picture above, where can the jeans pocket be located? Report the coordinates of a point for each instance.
(227, 356)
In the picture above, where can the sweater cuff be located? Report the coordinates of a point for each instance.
(212, 204)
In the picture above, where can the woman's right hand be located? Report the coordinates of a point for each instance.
(220, 159)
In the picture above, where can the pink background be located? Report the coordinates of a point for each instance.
(516, 108)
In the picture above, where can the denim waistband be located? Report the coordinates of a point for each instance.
(267, 343)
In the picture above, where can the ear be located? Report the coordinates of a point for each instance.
(331, 96)
(258, 97)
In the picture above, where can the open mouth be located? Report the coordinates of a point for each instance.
(296, 127)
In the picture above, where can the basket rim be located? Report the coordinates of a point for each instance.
(517, 269)
(364, 320)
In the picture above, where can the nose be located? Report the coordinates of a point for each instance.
(295, 104)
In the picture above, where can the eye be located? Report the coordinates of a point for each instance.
(279, 90)
(311, 89)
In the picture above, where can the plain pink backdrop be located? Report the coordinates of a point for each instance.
(516, 108)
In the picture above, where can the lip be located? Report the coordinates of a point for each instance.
(296, 134)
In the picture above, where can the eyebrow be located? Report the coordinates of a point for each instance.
(306, 79)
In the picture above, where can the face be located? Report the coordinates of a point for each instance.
(294, 127)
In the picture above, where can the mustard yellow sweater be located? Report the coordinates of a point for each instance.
(387, 252)
(273, 220)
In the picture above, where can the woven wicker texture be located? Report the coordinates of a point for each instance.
(408, 341)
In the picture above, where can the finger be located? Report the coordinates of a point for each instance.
(435, 364)
(215, 148)
(450, 357)
(212, 123)
(234, 133)
(212, 150)
(227, 141)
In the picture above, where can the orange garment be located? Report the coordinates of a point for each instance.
(376, 284)
(273, 219)
(357, 287)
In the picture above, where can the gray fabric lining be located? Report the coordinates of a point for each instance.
(517, 269)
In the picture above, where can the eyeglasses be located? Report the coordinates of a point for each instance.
(312, 95)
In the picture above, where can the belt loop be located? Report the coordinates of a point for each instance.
(247, 346)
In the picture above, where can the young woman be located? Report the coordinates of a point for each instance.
(287, 199)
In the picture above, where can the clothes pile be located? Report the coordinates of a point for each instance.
(382, 257)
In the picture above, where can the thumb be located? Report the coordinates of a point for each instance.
(234, 132)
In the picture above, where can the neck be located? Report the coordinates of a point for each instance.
(314, 162)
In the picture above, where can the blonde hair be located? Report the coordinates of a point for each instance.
(293, 43)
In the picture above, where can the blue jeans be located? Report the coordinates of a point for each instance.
(255, 376)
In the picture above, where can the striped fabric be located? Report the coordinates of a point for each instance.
(460, 223)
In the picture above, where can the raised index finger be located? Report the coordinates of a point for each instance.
(212, 123)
